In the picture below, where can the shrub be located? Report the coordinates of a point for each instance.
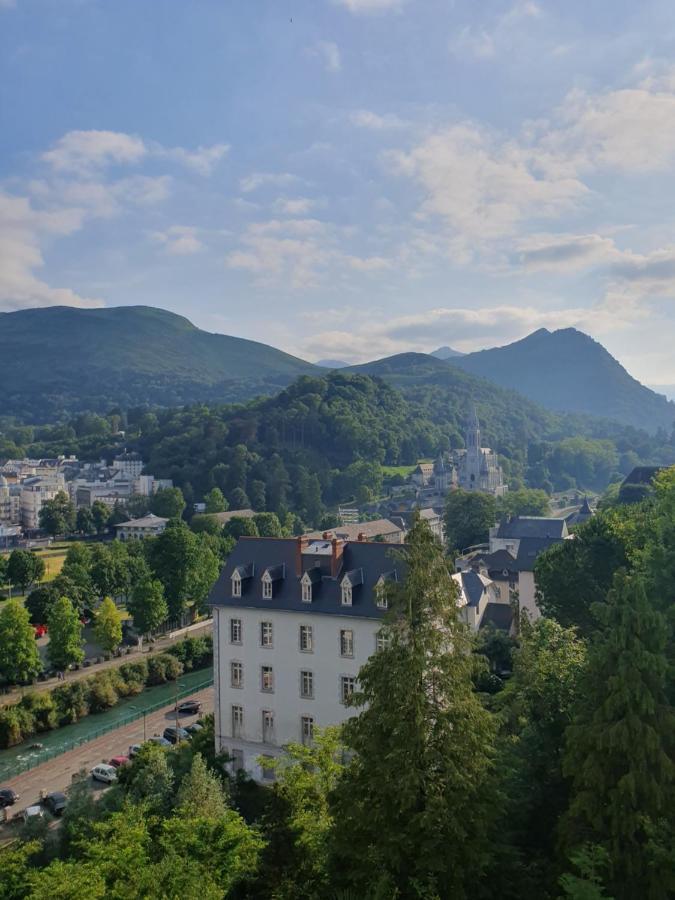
(71, 701)
(163, 667)
(43, 710)
(134, 675)
(102, 692)
(11, 732)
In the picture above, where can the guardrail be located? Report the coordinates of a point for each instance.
(10, 770)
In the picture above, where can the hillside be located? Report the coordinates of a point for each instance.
(61, 359)
(568, 370)
(445, 353)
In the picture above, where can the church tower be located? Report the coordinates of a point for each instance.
(472, 433)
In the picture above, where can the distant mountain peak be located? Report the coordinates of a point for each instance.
(331, 364)
(446, 352)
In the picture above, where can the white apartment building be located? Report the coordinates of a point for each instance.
(294, 621)
(136, 529)
(34, 492)
(131, 464)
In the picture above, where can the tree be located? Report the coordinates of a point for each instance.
(215, 501)
(101, 516)
(57, 516)
(4, 562)
(238, 499)
(71, 880)
(24, 568)
(108, 625)
(84, 523)
(239, 526)
(268, 525)
(65, 635)
(257, 495)
(202, 523)
(19, 655)
(109, 568)
(413, 815)
(469, 515)
(168, 502)
(185, 564)
(524, 502)
(620, 746)
(39, 603)
(147, 605)
(200, 792)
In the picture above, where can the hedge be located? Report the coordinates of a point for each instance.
(68, 703)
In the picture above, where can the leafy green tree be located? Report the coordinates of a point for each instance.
(168, 502)
(4, 562)
(138, 505)
(108, 625)
(238, 526)
(71, 880)
(239, 499)
(39, 603)
(15, 865)
(621, 744)
(469, 515)
(24, 568)
(19, 656)
(101, 516)
(413, 815)
(200, 792)
(147, 606)
(205, 524)
(297, 824)
(110, 569)
(257, 494)
(185, 565)
(268, 525)
(78, 554)
(65, 635)
(57, 516)
(524, 502)
(215, 501)
(149, 779)
(84, 523)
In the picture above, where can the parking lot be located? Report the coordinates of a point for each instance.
(58, 773)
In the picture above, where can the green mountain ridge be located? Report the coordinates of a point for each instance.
(61, 359)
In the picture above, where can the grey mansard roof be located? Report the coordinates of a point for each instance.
(532, 527)
(363, 560)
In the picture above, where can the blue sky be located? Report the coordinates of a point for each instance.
(347, 178)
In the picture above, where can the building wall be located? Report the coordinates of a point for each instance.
(287, 661)
(526, 594)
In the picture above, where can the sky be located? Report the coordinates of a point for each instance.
(347, 178)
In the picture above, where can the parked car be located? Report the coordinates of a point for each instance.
(8, 797)
(133, 750)
(40, 631)
(32, 812)
(174, 735)
(158, 739)
(194, 728)
(55, 802)
(189, 707)
(118, 761)
(104, 773)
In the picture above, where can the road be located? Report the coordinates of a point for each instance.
(57, 774)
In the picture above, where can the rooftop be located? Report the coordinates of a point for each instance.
(532, 527)
(148, 521)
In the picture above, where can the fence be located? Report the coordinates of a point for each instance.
(9, 770)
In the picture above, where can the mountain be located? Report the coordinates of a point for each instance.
(61, 360)
(668, 390)
(332, 364)
(446, 353)
(567, 370)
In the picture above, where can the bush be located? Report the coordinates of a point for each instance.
(102, 692)
(71, 701)
(11, 732)
(43, 710)
(134, 675)
(194, 653)
(163, 667)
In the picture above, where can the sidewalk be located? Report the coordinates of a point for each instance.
(160, 645)
(57, 774)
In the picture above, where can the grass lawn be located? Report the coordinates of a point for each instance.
(398, 470)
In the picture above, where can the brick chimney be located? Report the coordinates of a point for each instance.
(300, 544)
(338, 547)
(361, 536)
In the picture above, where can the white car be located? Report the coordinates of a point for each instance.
(105, 773)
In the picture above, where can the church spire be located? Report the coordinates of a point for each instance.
(472, 436)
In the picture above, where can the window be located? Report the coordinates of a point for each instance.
(346, 642)
(306, 684)
(266, 679)
(237, 760)
(236, 674)
(380, 596)
(237, 720)
(306, 644)
(307, 729)
(306, 591)
(346, 594)
(235, 631)
(236, 585)
(347, 685)
(266, 634)
(498, 592)
(267, 726)
(382, 641)
(267, 587)
(266, 769)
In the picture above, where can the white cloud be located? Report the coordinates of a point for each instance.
(566, 252)
(81, 151)
(329, 54)
(290, 226)
(486, 42)
(359, 7)
(293, 206)
(203, 160)
(22, 230)
(368, 263)
(364, 118)
(179, 240)
(259, 179)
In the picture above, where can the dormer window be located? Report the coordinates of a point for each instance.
(266, 586)
(236, 585)
(346, 593)
(306, 586)
(381, 600)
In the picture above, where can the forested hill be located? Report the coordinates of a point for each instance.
(568, 370)
(63, 360)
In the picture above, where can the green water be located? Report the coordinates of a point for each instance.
(22, 757)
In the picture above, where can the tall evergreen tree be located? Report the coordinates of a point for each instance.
(620, 746)
(413, 809)
(19, 655)
(65, 635)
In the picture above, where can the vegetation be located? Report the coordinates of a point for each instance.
(19, 656)
(65, 635)
(108, 625)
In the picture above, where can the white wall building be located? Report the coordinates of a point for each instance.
(294, 620)
(34, 492)
(136, 529)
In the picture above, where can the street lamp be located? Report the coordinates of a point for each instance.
(176, 699)
(145, 712)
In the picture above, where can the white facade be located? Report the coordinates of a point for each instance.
(136, 529)
(34, 493)
(307, 685)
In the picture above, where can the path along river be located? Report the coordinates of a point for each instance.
(25, 756)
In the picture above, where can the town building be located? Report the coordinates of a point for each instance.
(136, 529)
(129, 463)
(581, 515)
(10, 502)
(477, 467)
(35, 491)
(389, 531)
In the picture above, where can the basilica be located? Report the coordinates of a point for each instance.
(477, 468)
